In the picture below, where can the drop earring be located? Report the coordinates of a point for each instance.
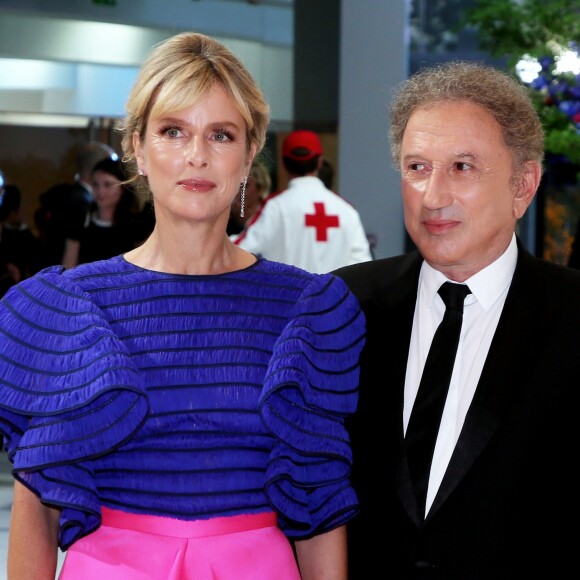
(243, 196)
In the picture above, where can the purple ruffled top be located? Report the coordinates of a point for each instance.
(184, 396)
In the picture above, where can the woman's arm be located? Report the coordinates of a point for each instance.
(33, 537)
(323, 557)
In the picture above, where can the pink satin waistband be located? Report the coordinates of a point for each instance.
(172, 527)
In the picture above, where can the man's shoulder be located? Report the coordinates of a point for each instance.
(300, 194)
(62, 194)
(275, 195)
(397, 264)
(546, 270)
(377, 275)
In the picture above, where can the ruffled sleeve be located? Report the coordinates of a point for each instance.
(69, 393)
(311, 385)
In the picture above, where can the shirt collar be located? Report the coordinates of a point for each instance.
(486, 286)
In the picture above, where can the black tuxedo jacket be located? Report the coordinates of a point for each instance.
(509, 503)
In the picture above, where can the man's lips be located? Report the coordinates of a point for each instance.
(196, 184)
(439, 226)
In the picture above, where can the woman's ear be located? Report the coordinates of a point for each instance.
(250, 157)
(138, 151)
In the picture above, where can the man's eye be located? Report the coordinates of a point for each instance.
(462, 166)
(417, 166)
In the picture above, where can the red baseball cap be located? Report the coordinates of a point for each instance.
(302, 146)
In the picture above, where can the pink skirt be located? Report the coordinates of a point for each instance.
(137, 547)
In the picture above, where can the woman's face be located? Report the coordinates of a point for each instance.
(195, 159)
(107, 189)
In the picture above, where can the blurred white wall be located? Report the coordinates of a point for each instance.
(80, 58)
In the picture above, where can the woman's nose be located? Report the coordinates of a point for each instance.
(197, 152)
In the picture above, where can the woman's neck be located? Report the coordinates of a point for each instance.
(106, 214)
(197, 254)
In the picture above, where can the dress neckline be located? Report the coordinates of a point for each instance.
(251, 267)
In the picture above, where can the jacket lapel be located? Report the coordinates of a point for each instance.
(400, 307)
(502, 376)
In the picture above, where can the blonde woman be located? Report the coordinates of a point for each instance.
(177, 411)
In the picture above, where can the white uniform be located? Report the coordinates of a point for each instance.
(309, 226)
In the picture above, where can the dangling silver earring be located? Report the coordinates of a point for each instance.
(243, 196)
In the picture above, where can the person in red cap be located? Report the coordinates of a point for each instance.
(306, 225)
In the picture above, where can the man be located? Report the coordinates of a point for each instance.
(64, 207)
(502, 499)
(306, 225)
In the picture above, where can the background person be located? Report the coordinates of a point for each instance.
(62, 213)
(500, 498)
(115, 224)
(326, 173)
(155, 405)
(19, 247)
(306, 225)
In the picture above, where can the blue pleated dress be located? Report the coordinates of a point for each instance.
(191, 397)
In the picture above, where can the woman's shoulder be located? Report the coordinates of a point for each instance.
(280, 268)
(324, 289)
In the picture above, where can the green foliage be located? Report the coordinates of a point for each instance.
(512, 28)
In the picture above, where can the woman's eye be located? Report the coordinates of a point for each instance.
(171, 131)
(223, 136)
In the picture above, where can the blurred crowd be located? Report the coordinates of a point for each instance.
(94, 216)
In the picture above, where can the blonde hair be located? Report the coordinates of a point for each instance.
(176, 74)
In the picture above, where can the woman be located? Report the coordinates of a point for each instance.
(178, 408)
(115, 224)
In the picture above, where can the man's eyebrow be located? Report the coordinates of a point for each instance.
(465, 155)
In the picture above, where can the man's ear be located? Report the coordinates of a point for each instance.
(526, 188)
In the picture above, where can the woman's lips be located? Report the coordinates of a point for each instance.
(196, 184)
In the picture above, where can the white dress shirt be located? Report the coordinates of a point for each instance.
(482, 310)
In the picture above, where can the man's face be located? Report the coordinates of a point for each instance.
(459, 203)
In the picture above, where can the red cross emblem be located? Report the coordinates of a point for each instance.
(321, 221)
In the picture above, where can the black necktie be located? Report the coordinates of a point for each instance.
(428, 407)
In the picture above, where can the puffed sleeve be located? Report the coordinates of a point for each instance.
(311, 385)
(69, 393)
